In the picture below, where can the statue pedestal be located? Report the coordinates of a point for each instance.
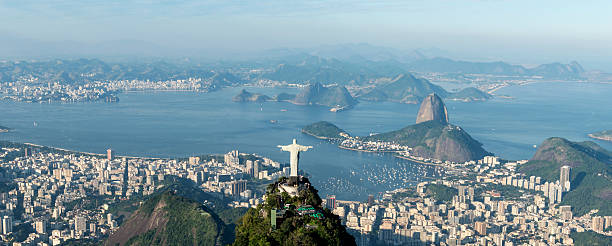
(294, 185)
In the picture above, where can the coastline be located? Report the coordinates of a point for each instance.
(313, 135)
(418, 161)
(609, 139)
(365, 150)
(375, 151)
(91, 154)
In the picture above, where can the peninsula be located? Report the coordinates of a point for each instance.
(602, 135)
(325, 130)
(432, 139)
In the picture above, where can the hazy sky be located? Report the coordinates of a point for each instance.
(518, 31)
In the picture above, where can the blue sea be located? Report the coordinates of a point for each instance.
(179, 124)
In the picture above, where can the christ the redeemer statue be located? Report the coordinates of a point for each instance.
(295, 150)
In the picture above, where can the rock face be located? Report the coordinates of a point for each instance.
(433, 137)
(432, 109)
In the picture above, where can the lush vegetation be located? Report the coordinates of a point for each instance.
(255, 227)
(440, 192)
(187, 223)
(431, 139)
(590, 238)
(182, 199)
(590, 176)
(507, 192)
(323, 129)
(399, 196)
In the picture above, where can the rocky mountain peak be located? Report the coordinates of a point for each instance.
(432, 109)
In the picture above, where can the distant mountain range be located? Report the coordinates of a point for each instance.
(590, 175)
(406, 88)
(445, 65)
(88, 70)
(322, 66)
(368, 60)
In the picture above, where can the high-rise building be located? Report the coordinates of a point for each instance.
(80, 224)
(109, 218)
(330, 202)
(597, 224)
(370, 200)
(40, 226)
(109, 154)
(566, 212)
(232, 158)
(608, 220)
(7, 224)
(93, 227)
(564, 178)
(194, 160)
(238, 187)
(249, 167)
(480, 227)
(256, 169)
(545, 188)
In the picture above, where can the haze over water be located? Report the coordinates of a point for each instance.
(178, 124)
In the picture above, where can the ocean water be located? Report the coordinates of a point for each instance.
(178, 124)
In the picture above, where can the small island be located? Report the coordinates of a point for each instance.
(325, 130)
(336, 97)
(4, 129)
(246, 96)
(602, 135)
